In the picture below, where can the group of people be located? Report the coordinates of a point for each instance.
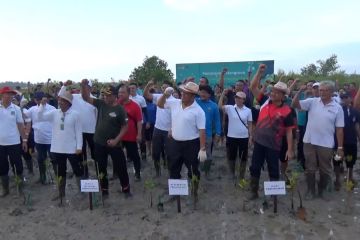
(181, 124)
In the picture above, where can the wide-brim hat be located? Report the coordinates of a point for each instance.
(109, 90)
(66, 95)
(190, 87)
(281, 86)
(7, 89)
(240, 94)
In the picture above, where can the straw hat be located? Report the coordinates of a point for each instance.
(190, 87)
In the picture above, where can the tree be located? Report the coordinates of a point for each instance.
(325, 67)
(152, 68)
(309, 70)
(329, 66)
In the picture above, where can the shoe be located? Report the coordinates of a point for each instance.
(137, 178)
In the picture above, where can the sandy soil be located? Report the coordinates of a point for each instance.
(222, 212)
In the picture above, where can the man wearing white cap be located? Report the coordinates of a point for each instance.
(11, 127)
(275, 121)
(66, 141)
(188, 142)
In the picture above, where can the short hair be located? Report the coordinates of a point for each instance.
(206, 88)
(241, 81)
(133, 84)
(206, 80)
(123, 85)
(329, 84)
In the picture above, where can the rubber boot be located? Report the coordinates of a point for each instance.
(242, 170)
(29, 165)
(195, 190)
(61, 190)
(20, 184)
(5, 186)
(310, 180)
(232, 169)
(324, 186)
(337, 182)
(207, 165)
(78, 183)
(157, 168)
(254, 187)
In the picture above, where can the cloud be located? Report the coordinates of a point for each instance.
(195, 5)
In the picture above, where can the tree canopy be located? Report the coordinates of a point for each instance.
(152, 68)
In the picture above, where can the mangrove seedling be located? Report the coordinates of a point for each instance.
(100, 178)
(150, 185)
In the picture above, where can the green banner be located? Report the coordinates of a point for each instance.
(236, 71)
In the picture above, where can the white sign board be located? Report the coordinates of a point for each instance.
(178, 187)
(89, 185)
(275, 188)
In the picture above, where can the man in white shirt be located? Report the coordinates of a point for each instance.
(66, 142)
(325, 119)
(88, 121)
(188, 142)
(162, 125)
(11, 127)
(42, 132)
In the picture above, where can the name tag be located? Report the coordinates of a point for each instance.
(61, 126)
(12, 113)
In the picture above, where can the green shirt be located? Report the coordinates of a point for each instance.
(110, 119)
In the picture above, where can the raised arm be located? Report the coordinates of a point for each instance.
(295, 102)
(357, 100)
(147, 88)
(255, 83)
(85, 91)
(167, 93)
(221, 100)
(222, 79)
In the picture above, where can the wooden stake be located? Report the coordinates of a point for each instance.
(178, 203)
(90, 201)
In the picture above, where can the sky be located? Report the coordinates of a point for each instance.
(104, 39)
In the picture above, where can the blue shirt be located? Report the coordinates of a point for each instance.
(151, 112)
(212, 116)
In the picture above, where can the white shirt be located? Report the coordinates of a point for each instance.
(185, 123)
(163, 116)
(322, 121)
(88, 112)
(66, 130)
(236, 128)
(42, 129)
(139, 100)
(9, 118)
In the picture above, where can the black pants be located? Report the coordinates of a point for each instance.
(88, 139)
(133, 153)
(119, 165)
(300, 145)
(43, 150)
(159, 141)
(238, 146)
(13, 152)
(186, 152)
(260, 154)
(60, 161)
